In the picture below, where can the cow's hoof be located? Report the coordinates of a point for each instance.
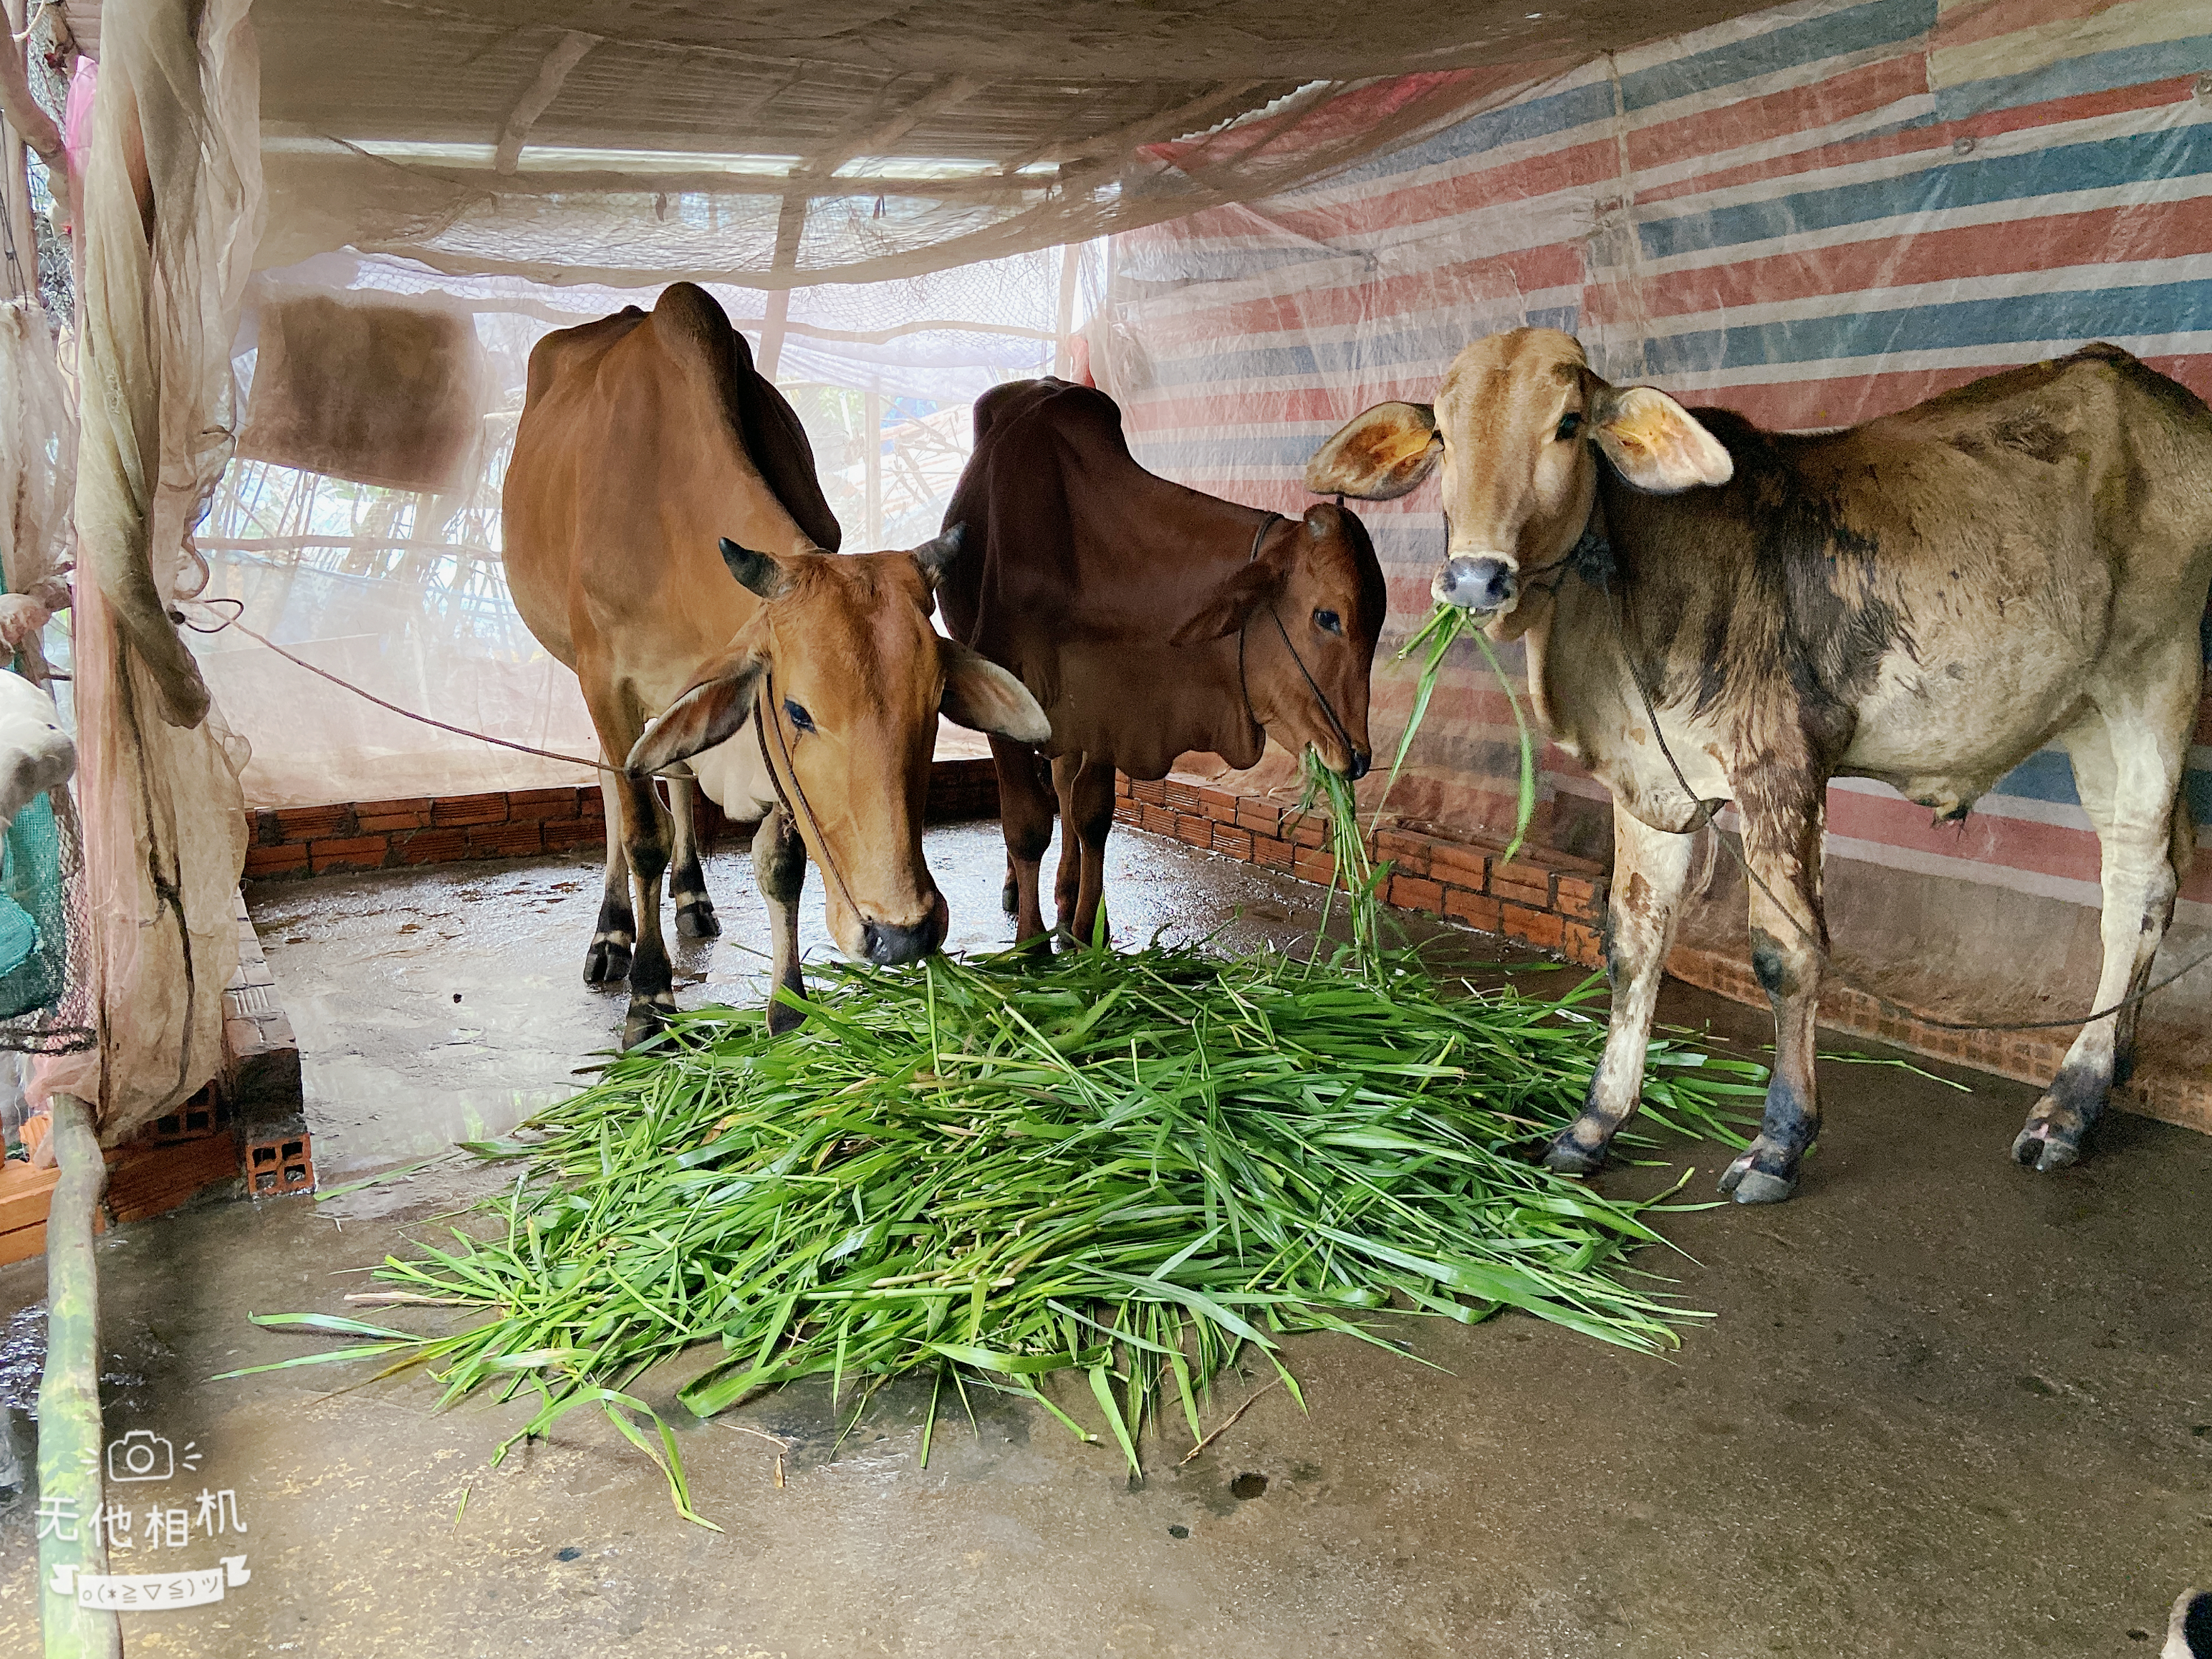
(607, 962)
(783, 1017)
(1010, 896)
(2044, 1146)
(647, 1018)
(1747, 1185)
(696, 920)
(1567, 1155)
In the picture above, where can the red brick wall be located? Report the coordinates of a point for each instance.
(391, 835)
(1550, 900)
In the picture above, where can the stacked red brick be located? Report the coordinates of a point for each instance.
(1550, 900)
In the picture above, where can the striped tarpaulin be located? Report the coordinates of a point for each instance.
(1813, 215)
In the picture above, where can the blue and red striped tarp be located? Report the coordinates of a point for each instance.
(1813, 215)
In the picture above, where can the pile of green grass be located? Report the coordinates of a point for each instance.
(1132, 1166)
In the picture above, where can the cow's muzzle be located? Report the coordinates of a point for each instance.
(1483, 585)
(888, 944)
(1361, 760)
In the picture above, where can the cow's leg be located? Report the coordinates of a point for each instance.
(687, 882)
(779, 866)
(646, 838)
(1651, 868)
(1789, 940)
(1086, 818)
(635, 806)
(608, 959)
(1067, 880)
(2127, 770)
(1025, 816)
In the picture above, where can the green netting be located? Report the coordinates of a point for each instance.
(35, 931)
(45, 1008)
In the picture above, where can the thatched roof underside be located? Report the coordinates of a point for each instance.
(777, 142)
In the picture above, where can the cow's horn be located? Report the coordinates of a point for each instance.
(936, 557)
(758, 571)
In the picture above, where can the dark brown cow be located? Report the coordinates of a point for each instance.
(1150, 621)
(1927, 600)
(646, 442)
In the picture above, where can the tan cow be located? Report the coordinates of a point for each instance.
(646, 443)
(1926, 600)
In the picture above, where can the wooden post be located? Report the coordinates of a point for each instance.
(71, 1442)
(15, 184)
(1071, 273)
(872, 454)
(790, 226)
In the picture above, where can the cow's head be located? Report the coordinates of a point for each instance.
(842, 660)
(1309, 604)
(1515, 427)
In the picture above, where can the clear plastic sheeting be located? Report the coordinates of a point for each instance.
(1812, 216)
(402, 592)
(157, 770)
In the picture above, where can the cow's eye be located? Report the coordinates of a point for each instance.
(1328, 622)
(1569, 425)
(797, 715)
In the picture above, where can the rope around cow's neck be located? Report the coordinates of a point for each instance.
(1617, 608)
(766, 709)
(1351, 749)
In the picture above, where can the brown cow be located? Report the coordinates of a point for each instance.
(644, 442)
(1926, 600)
(1150, 620)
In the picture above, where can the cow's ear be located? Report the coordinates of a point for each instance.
(983, 697)
(935, 557)
(1654, 442)
(1226, 608)
(1378, 456)
(711, 710)
(760, 573)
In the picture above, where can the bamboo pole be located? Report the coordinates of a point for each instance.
(70, 1438)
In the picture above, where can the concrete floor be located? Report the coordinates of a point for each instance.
(1946, 1407)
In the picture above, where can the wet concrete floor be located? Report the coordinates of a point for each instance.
(1945, 1408)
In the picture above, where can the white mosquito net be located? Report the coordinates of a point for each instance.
(359, 526)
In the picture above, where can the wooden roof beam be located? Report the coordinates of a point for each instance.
(1173, 123)
(944, 93)
(566, 53)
